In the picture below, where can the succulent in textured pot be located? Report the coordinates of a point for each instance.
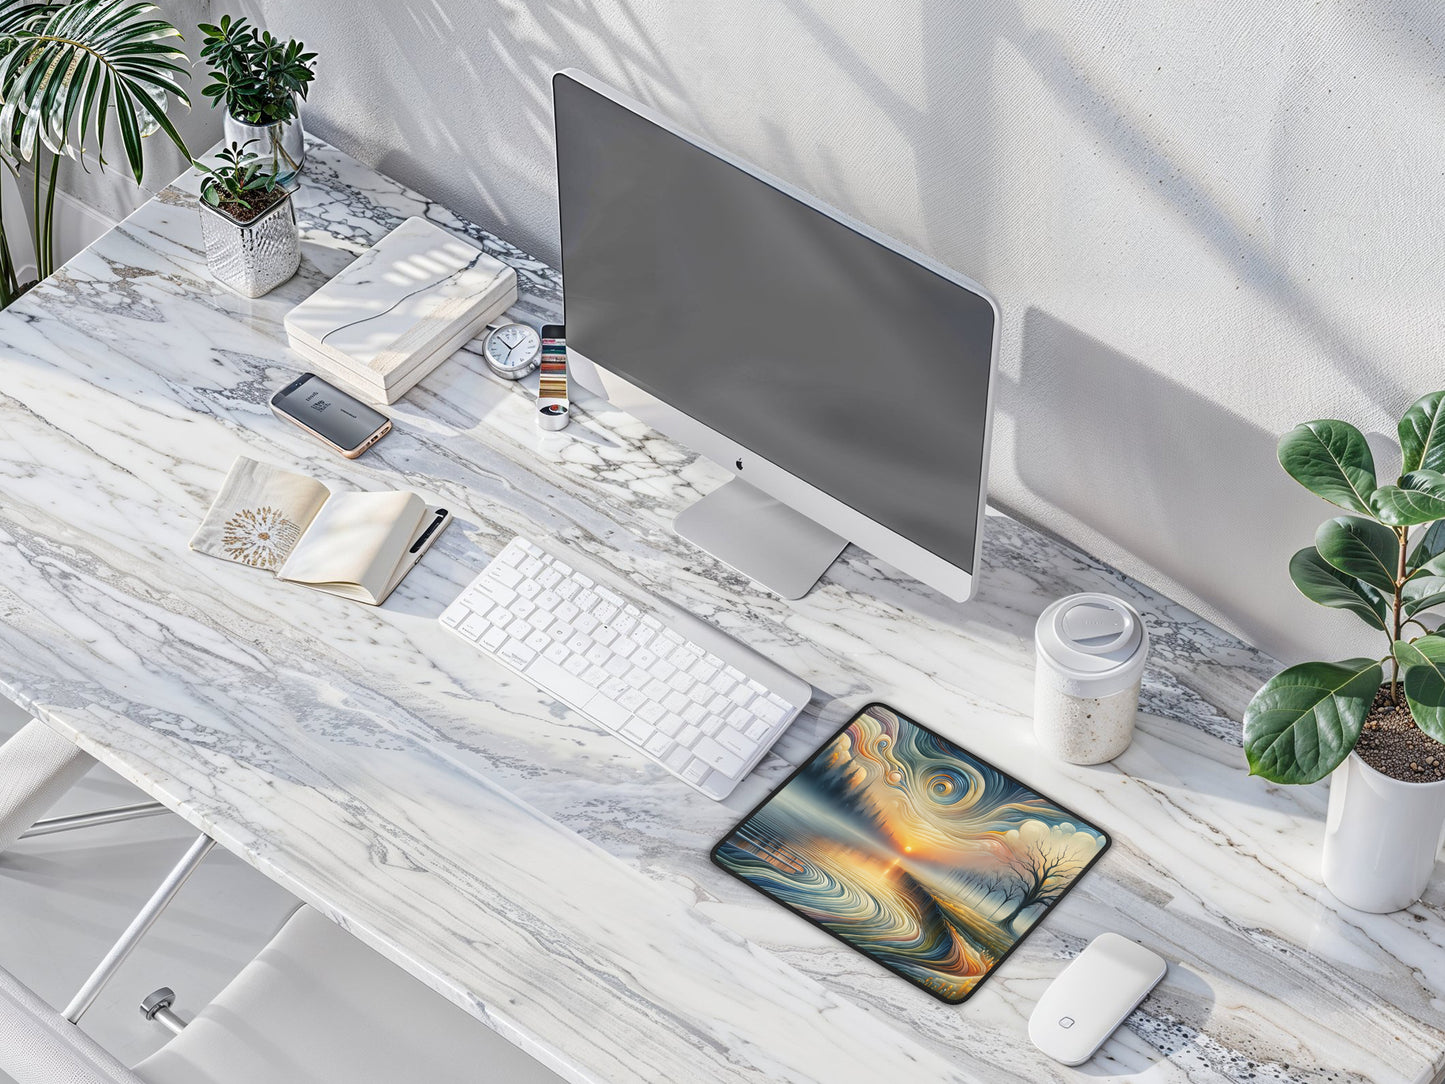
(249, 225)
(1382, 738)
(260, 79)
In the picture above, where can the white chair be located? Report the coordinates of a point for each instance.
(316, 1006)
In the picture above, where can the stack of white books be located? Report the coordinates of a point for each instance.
(400, 309)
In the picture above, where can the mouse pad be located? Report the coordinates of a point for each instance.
(913, 851)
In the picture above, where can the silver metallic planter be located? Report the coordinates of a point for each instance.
(252, 257)
(282, 146)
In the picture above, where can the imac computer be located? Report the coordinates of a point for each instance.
(843, 378)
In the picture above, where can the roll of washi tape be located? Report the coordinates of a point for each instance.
(552, 406)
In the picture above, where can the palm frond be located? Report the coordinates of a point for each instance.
(68, 69)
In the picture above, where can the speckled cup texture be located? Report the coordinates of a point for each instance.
(1083, 729)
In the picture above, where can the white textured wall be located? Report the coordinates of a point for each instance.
(1205, 221)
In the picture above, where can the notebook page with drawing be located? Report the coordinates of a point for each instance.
(356, 545)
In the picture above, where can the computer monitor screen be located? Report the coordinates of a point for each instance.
(830, 354)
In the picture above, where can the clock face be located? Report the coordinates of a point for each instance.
(513, 349)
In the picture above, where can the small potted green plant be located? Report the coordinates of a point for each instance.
(248, 222)
(260, 79)
(1376, 723)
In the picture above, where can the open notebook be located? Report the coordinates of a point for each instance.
(356, 545)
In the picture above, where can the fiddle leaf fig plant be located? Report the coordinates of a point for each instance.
(1384, 563)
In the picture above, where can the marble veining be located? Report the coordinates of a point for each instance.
(524, 863)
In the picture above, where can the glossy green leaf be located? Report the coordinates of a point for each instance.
(1321, 582)
(1419, 498)
(1423, 669)
(1305, 720)
(1428, 546)
(1360, 548)
(1422, 434)
(1421, 593)
(1331, 459)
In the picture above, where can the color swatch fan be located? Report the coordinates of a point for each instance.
(913, 851)
(400, 309)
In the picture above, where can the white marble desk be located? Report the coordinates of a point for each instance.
(529, 866)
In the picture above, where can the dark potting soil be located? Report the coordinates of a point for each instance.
(1391, 743)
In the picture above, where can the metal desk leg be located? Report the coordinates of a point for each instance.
(37, 766)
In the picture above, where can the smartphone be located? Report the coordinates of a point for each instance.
(340, 421)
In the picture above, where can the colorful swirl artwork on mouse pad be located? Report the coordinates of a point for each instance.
(912, 851)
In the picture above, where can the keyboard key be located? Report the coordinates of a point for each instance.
(523, 607)
(556, 653)
(568, 612)
(612, 688)
(575, 665)
(644, 658)
(695, 715)
(715, 756)
(757, 729)
(530, 567)
(617, 665)
(688, 735)
(529, 589)
(595, 676)
(453, 616)
(539, 641)
(657, 744)
(506, 576)
(677, 759)
(518, 629)
(493, 638)
(586, 623)
(695, 772)
(636, 730)
(674, 701)
(766, 710)
(473, 627)
(512, 554)
(528, 546)
(518, 655)
(655, 689)
(632, 700)
(610, 714)
(734, 742)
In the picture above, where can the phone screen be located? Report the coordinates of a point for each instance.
(328, 411)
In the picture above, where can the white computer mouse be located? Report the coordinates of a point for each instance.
(1092, 996)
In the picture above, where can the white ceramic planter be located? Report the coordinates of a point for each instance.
(1382, 837)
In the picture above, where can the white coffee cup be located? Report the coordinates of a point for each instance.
(1090, 651)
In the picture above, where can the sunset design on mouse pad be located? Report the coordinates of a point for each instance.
(912, 851)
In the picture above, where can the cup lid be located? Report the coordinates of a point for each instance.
(1096, 642)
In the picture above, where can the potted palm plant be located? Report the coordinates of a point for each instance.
(70, 73)
(260, 80)
(248, 223)
(1376, 723)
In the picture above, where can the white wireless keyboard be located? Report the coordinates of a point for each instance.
(695, 700)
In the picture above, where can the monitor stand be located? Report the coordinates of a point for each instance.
(761, 537)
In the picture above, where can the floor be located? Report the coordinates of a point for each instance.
(65, 898)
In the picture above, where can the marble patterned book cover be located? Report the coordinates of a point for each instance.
(912, 851)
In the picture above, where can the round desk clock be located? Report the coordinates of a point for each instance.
(512, 350)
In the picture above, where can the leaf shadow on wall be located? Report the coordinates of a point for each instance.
(1184, 485)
